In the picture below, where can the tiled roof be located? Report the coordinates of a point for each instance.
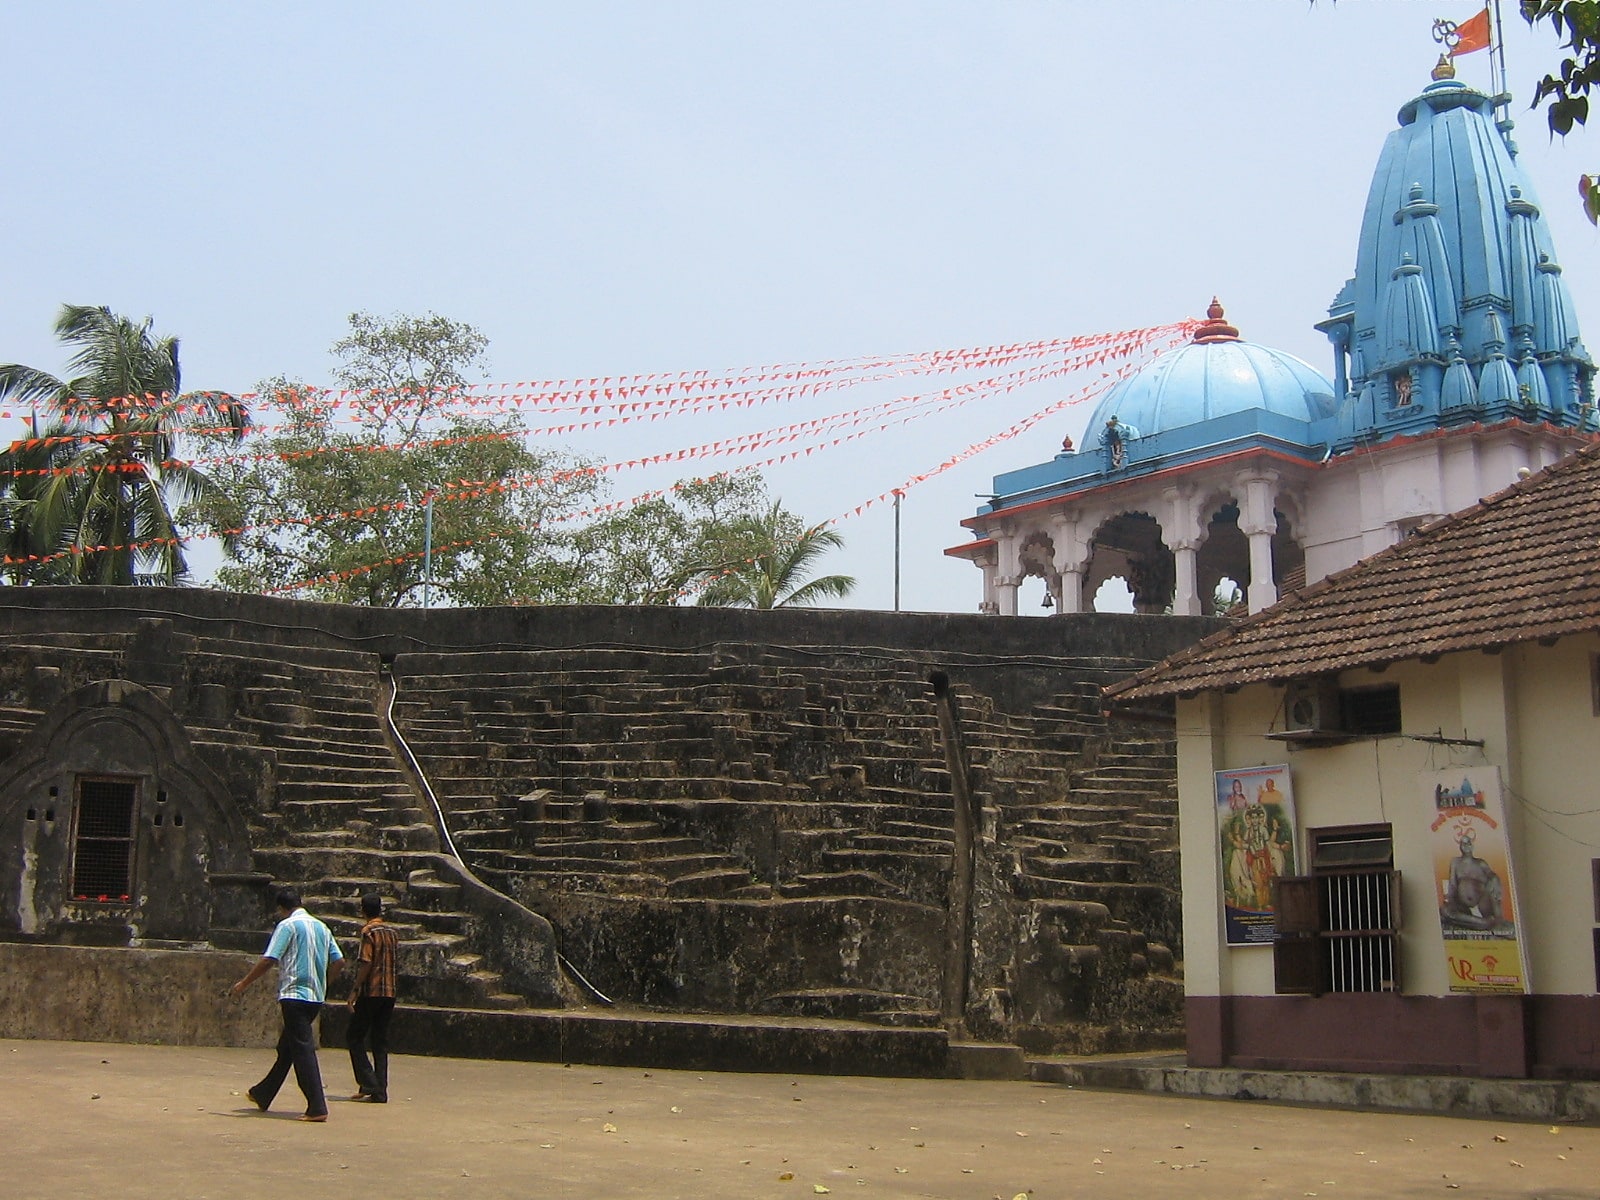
(1521, 565)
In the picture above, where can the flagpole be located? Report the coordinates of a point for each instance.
(1497, 58)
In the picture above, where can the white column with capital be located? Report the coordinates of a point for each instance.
(1185, 587)
(988, 604)
(1008, 574)
(1181, 532)
(1071, 559)
(1005, 593)
(1259, 523)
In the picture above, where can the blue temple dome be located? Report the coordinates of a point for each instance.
(1457, 310)
(1215, 375)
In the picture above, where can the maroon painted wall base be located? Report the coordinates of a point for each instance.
(1503, 1037)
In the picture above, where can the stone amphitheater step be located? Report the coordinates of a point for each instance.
(387, 838)
(680, 788)
(547, 886)
(288, 863)
(317, 791)
(332, 812)
(887, 843)
(1073, 811)
(481, 836)
(1120, 898)
(909, 869)
(1059, 847)
(840, 884)
(533, 862)
(722, 882)
(888, 1008)
(1080, 869)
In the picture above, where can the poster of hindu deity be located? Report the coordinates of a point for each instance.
(1473, 881)
(1255, 826)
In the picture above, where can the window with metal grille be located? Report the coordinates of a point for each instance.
(1338, 929)
(102, 848)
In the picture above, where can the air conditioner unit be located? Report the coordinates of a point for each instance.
(1312, 706)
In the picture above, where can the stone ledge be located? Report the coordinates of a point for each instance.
(135, 995)
(689, 1042)
(1548, 1100)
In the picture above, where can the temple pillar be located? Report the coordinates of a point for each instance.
(1182, 530)
(1185, 589)
(1008, 572)
(1262, 593)
(1005, 589)
(1071, 560)
(989, 603)
(1258, 521)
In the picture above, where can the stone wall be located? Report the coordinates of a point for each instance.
(158, 997)
(909, 818)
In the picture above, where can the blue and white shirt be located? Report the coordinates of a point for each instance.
(303, 948)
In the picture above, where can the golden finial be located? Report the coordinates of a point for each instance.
(1446, 69)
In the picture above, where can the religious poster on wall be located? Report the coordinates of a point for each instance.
(1255, 826)
(1473, 881)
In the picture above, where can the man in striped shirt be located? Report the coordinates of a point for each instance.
(307, 957)
(371, 1003)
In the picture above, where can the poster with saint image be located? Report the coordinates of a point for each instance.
(1255, 828)
(1474, 882)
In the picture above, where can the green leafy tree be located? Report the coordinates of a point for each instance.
(651, 552)
(98, 492)
(1565, 92)
(771, 557)
(346, 507)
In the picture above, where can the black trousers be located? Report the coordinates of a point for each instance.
(297, 1048)
(369, 1025)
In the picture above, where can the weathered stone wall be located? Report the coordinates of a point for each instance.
(158, 997)
(830, 806)
(88, 612)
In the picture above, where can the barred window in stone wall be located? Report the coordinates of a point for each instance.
(102, 848)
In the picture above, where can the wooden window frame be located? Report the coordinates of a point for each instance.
(1318, 950)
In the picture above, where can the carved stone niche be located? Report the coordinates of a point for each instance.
(113, 831)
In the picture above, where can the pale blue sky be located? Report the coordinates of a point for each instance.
(610, 188)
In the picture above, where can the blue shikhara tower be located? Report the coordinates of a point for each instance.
(1457, 313)
(1229, 470)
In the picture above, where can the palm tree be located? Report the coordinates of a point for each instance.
(95, 493)
(768, 558)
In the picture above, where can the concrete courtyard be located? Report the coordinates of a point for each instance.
(109, 1120)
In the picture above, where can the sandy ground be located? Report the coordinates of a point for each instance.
(111, 1121)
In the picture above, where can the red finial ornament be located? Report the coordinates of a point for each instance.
(1215, 329)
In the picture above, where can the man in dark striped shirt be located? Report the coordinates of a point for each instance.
(371, 1003)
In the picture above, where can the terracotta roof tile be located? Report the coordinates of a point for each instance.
(1522, 564)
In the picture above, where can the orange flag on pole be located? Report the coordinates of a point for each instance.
(1472, 34)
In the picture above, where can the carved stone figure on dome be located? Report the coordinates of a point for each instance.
(1118, 435)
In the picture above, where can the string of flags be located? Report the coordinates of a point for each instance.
(629, 392)
(651, 397)
(626, 415)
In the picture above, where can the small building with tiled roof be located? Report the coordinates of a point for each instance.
(1388, 804)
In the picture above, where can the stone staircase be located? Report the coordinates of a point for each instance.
(1083, 814)
(294, 733)
(612, 777)
(343, 820)
(587, 778)
(738, 810)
